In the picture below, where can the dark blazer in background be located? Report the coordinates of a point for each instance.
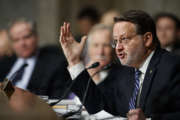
(49, 76)
(160, 97)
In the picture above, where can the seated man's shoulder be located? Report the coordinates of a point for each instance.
(8, 59)
(51, 52)
(170, 58)
(51, 55)
(169, 62)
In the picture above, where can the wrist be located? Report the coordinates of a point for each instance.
(73, 62)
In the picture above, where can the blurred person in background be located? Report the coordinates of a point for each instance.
(40, 70)
(178, 32)
(86, 18)
(108, 17)
(99, 49)
(167, 30)
(5, 45)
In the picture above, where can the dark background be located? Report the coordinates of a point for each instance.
(50, 14)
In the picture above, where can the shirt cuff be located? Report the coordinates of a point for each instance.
(76, 70)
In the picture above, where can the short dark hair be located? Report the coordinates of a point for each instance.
(89, 12)
(143, 21)
(168, 15)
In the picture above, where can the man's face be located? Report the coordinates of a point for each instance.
(23, 41)
(99, 48)
(166, 31)
(130, 47)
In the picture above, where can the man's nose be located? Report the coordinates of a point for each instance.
(101, 50)
(119, 46)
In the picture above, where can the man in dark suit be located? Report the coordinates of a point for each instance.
(148, 84)
(167, 25)
(45, 71)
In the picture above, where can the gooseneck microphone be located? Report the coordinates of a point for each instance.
(85, 93)
(94, 65)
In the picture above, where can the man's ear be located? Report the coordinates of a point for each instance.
(148, 39)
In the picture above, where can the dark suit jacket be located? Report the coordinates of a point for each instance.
(159, 98)
(49, 75)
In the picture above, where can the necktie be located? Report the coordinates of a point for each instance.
(18, 74)
(132, 102)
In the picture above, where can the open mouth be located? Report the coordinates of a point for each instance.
(121, 55)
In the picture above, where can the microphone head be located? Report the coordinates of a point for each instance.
(107, 66)
(94, 65)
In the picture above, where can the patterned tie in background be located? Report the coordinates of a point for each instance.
(18, 74)
(132, 102)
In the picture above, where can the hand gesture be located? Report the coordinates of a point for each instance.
(72, 49)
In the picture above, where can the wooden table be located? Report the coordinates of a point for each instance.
(24, 105)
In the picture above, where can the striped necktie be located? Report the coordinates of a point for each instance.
(18, 74)
(132, 102)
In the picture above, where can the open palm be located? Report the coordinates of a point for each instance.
(72, 49)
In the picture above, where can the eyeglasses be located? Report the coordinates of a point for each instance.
(122, 40)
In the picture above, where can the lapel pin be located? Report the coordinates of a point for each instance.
(150, 71)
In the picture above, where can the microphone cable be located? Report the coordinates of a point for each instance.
(94, 65)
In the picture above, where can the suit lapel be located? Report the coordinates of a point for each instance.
(6, 65)
(130, 84)
(36, 74)
(149, 75)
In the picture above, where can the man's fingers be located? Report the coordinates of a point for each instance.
(135, 111)
(136, 114)
(68, 30)
(83, 40)
(62, 35)
(65, 29)
(131, 113)
(61, 39)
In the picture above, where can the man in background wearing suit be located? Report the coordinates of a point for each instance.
(148, 86)
(167, 26)
(45, 70)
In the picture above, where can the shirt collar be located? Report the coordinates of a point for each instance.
(144, 66)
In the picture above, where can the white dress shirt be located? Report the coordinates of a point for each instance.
(78, 68)
(143, 70)
(23, 83)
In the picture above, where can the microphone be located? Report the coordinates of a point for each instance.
(85, 93)
(108, 66)
(94, 65)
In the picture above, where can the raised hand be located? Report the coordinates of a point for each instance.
(72, 49)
